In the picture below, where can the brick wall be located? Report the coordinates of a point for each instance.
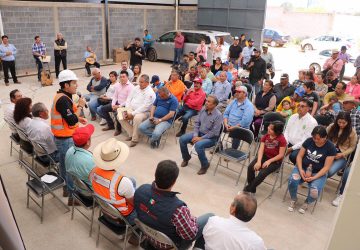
(82, 24)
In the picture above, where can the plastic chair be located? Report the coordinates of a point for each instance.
(40, 188)
(13, 139)
(235, 155)
(84, 196)
(113, 212)
(155, 235)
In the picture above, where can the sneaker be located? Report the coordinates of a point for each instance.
(303, 208)
(291, 206)
(337, 200)
(103, 122)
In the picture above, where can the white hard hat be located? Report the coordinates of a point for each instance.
(67, 75)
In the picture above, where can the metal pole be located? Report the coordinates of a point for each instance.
(107, 28)
(176, 14)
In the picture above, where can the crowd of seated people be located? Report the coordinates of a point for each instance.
(219, 101)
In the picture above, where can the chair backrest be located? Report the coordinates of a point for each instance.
(109, 209)
(154, 234)
(81, 186)
(22, 134)
(39, 149)
(242, 134)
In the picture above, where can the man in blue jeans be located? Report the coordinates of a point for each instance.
(161, 116)
(206, 132)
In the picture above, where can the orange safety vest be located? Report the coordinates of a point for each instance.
(59, 126)
(105, 184)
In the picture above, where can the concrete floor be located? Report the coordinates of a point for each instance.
(279, 228)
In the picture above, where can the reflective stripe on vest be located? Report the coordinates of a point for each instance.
(59, 127)
(105, 185)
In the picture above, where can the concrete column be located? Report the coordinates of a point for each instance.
(346, 227)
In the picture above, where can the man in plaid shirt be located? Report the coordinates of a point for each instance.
(38, 50)
(350, 105)
(158, 207)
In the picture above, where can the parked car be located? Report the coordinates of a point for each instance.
(275, 37)
(327, 41)
(318, 59)
(163, 47)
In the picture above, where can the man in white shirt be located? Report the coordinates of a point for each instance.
(137, 108)
(299, 128)
(39, 131)
(15, 95)
(232, 233)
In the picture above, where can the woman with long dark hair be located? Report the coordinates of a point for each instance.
(343, 135)
(313, 162)
(22, 113)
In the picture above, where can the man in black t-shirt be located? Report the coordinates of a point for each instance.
(234, 54)
(137, 53)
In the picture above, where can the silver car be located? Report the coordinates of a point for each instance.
(163, 47)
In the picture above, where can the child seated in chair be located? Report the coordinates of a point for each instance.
(270, 155)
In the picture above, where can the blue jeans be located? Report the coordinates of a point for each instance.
(39, 66)
(336, 166)
(315, 187)
(185, 113)
(154, 132)
(344, 179)
(199, 239)
(93, 103)
(178, 52)
(200, 147)
(63, 145)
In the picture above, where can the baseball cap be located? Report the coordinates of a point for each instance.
(197, 79)
(207, 64)
(226, 63)
(241, 88)
(300, 91)
(236, 38)
(285, 75)
(155, 78)
(251, 40)
(82, 134)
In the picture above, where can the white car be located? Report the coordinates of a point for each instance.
(327, 41)
(163, 47)
(318, 59)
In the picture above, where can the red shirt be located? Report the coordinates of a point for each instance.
(272, 146)
(195, 99)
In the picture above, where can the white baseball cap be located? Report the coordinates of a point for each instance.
(67, 75)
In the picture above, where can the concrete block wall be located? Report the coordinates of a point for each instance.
(22, 24)
(125, 24)
(84, 24)
(81, 27)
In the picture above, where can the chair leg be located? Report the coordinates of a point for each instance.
(27, 198)
(72, 207)
(92, 218)
(42, 209)
(217, 165)
(125, 238)
(287, 189)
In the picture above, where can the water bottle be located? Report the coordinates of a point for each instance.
(308, 171)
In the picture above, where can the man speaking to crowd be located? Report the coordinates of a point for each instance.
(65, 118)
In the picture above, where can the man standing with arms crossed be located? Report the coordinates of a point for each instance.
(65, 118)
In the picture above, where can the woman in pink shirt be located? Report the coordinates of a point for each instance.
(201, 50)
(353, 88)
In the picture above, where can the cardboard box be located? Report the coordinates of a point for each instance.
(120, 54)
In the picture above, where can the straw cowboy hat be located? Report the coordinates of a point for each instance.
(110, 154)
